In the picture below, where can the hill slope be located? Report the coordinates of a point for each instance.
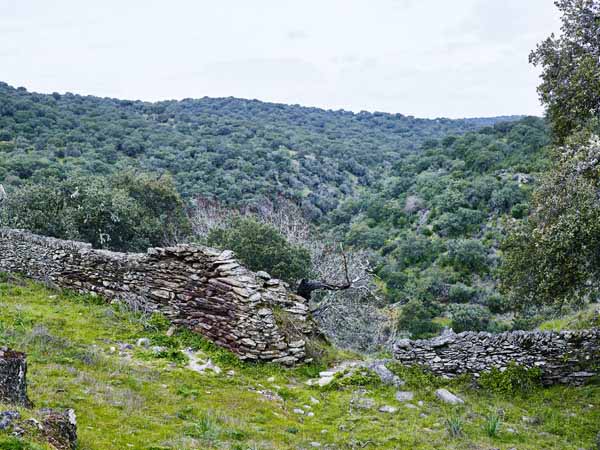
(233, 149)
(127, 396)
(437, 219)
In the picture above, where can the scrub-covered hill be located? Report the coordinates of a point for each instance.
(235, 150)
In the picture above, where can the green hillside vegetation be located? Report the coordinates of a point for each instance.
(438, 219)
(238, 151)
(134, 398)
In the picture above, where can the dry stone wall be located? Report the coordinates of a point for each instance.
(567, 357)
(201, 288)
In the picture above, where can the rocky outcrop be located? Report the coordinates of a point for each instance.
(566, 357)
(201, 288)
(13, 378)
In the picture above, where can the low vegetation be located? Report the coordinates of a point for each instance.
(128, 396)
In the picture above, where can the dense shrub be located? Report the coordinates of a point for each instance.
(261, 247)
(467, 255)
(460, 293)
(497, 303)
(514, 379)
(416, 318)
(125, 212)
(469, 318)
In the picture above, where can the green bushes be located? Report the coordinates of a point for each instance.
(492, 425)
(125, 212)
(417, 318)
(454, 425)
(361, 377)
(469, 318)
(514, 379)
(261, 247)
(460, 293)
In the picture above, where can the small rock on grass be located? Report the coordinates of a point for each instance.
(388, 409)
(404, 396)
(324, 381)
(7, 418)
(364, 403)
(448, 397)
(386, 375)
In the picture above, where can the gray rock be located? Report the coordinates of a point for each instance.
(404, 396)
(385, 374)
(13, 378)
(364, 403)
(7, 418)
(453, 354)
(388, 409)
(60, 428)
(264, 275)
(324, 381)
(157, 349)
(448, 397)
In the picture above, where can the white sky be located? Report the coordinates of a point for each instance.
(428, 58)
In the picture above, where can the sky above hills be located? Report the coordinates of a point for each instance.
(427, 58)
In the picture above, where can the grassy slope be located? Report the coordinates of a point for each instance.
(588, 317)
(144, 402)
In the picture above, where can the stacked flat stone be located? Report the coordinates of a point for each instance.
(198, 287)
(566, 357)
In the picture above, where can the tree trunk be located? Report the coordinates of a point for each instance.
(13, 378)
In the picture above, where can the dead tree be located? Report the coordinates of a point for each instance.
(307, 287)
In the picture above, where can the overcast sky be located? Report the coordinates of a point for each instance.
(427, 58)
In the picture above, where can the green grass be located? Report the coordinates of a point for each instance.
(587, 317)
(141, 401)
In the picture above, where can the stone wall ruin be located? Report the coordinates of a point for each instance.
(201, 288)
(565, 357)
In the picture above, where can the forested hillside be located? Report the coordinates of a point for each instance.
(237, 151)
(427, 200)
(437, 220)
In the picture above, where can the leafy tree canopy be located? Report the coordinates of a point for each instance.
(125, 212)
(570, 63)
